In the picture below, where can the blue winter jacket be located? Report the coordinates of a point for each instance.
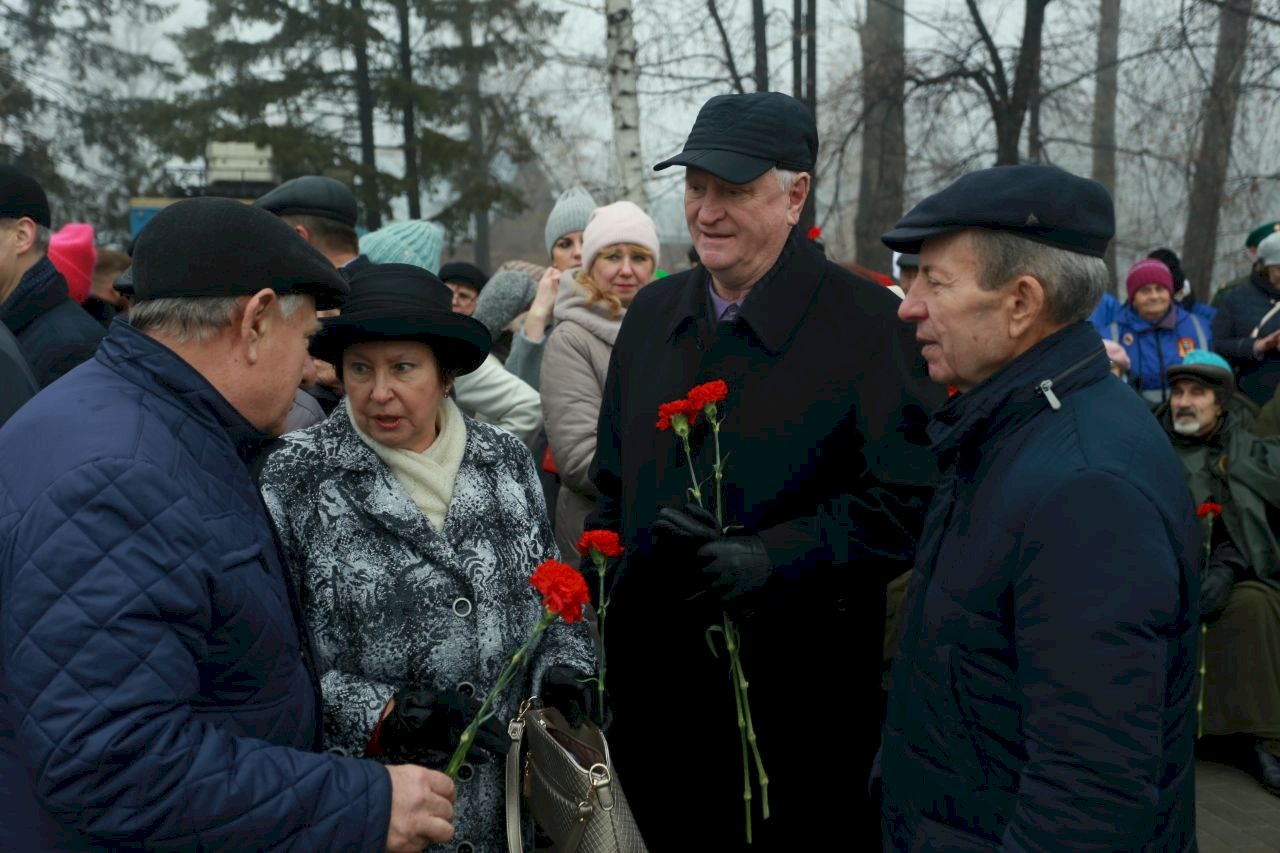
(1154, 347)
(1042, 697)
(155, 689)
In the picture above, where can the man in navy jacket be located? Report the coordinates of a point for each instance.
(1043, 694)
(156, 686)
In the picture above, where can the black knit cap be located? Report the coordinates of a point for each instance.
(738, 138)
(21, 195)
(463, 272)
(398, 302)
(1042, 203)
(312, 195)
(221, 247)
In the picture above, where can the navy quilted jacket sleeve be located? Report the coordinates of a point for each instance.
(129, 702)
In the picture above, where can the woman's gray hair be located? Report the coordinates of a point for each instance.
(1073, 283)
(196, 319)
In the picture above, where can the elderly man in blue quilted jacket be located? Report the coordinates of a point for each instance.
(1042, 697)
(156, 689)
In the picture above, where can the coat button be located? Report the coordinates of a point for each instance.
(465, 772)
(466, 847)
(461, 608)
(466, 688)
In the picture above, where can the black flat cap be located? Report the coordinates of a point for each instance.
(738, 138)
(124, 282)
(397, 302)
(21, 195)
(464, 272)
(221, 247)
(1042, 203)
(312, 195)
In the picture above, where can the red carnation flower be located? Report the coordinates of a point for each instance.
(815, 232)
(709, 393)
(563, 588)
(1209, 508)
(604, 541)
(684, 408)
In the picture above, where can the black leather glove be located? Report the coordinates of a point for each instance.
(1217, 579)
(736, 565)
(572, 694)
(680, 531)
(424, 727)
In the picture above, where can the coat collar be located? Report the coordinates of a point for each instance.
(1067, 360)
(776, 304)
(150, 364)
(41, 289)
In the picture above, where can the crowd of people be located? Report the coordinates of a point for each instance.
(272, 490)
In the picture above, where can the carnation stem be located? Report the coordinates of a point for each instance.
(599, 560)
(730, 641)
(718, 468)
(486, 711)
(1204, 632)
(741, 676)
(696, 491)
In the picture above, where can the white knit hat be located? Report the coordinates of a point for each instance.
(570, 214)
(620, 222)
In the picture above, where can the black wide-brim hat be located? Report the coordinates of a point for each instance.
(402, 302)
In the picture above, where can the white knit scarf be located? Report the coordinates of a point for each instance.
(428, 476)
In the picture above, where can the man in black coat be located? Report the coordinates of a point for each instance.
(825, 480)
(54, 332)
(1042, 696)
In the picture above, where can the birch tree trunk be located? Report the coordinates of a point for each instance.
(1104, 106)
(884, 141)
(1218, 118)
(624, 79)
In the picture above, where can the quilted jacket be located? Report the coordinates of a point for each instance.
(155, 689)
(1042, 697)
(395, 602)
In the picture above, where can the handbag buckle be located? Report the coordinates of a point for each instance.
(601, 782)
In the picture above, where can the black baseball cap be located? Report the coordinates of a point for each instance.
(312, 195)
(738, 138)
(1045, 204)
(21, 195)
(221, 247)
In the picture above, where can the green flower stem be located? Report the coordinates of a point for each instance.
(730, 642)
(741, 679)
(1204, 631)
(696, 491)
(718, 467)
(599, 560)
(486, 711)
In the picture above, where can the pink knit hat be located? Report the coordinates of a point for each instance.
(620, 222)
(1148, 271)
(72, 252)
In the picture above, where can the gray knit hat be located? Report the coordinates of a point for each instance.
(570, 214)
(504, 296)
(413, 241)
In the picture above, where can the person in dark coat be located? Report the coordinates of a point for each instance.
(17, 385)
(1246, 329)
(157, 689)
(824, 490)
(53, 330)
(1043, 693)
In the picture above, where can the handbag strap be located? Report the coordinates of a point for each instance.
(515, 843)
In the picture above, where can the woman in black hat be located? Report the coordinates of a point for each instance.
(412, 531)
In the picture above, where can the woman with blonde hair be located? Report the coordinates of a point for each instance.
(619, 257)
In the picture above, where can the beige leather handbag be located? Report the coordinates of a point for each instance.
(568, 781)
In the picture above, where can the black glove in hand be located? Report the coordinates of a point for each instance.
(572, 694)
(680, 531)
(424, 727)
(1217, 579)
(737, 565)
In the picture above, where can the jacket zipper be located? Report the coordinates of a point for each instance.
(1045, 387)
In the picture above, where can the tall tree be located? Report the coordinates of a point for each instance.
(809, 215)
(364, 111)
(1104, 105)
(409, 128)
(624, 82)
(1218, 118)
(760, 35)
(884, 141)
(797, 50)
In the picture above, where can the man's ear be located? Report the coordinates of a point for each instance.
(256, 319)
(1028, 305)
(25, 230)
(796, 198)
(302, 232)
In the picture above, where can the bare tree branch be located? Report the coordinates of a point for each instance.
(728, 48)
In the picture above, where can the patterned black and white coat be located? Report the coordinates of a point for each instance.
(393, 602)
